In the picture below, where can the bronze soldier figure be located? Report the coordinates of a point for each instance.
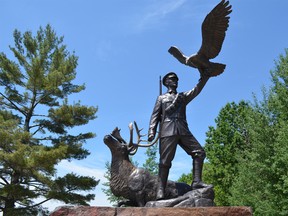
(170, 112)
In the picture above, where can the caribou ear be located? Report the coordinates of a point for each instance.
(115, 131)
(116, 134)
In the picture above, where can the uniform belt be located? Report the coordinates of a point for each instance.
(173, 118)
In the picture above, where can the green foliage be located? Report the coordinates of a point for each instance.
(186, 178)
(64, 187)
(278, 98)
(226, 142)
(263, 176)
(151, 163)
(35, 118)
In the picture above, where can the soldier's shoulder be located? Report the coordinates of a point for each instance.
(161, 97)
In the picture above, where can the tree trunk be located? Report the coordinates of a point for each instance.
(9, 207)
(10, 201)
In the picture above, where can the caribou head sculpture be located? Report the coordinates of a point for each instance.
(131, 146)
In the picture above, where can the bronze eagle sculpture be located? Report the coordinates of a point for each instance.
(214, 29)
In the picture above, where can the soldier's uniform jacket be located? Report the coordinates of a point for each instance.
(170, 110)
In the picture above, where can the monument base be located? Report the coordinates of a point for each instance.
(139, 211)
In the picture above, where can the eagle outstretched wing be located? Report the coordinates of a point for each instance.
(213, 30)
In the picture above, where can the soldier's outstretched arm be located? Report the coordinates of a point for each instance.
(197, 89)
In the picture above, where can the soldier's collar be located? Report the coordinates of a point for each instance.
(172, 91)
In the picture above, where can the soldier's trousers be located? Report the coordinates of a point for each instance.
(169, 144)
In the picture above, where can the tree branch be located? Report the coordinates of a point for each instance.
(14, 105)
(4, 180)
(46, 138)
(35, 205)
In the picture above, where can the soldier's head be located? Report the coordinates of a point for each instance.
(170, 80)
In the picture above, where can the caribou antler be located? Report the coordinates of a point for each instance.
(132, 147)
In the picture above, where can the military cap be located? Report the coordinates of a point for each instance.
(168, 75)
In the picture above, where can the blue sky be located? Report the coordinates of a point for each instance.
(122, 47)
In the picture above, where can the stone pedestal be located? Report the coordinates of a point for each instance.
(139, 211)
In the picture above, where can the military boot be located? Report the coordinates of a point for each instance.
(163, 176)
(197, 174)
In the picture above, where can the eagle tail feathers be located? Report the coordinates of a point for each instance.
(216, 69)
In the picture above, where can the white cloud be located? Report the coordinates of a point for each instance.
(158, 11)
(66, 166)
(103, 49)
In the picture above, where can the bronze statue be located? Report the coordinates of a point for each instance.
(137, 185)
(214, 29)
(170, 108)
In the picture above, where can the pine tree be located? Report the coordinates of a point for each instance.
(35, 119)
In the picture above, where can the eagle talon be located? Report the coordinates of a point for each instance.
(205, 73)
